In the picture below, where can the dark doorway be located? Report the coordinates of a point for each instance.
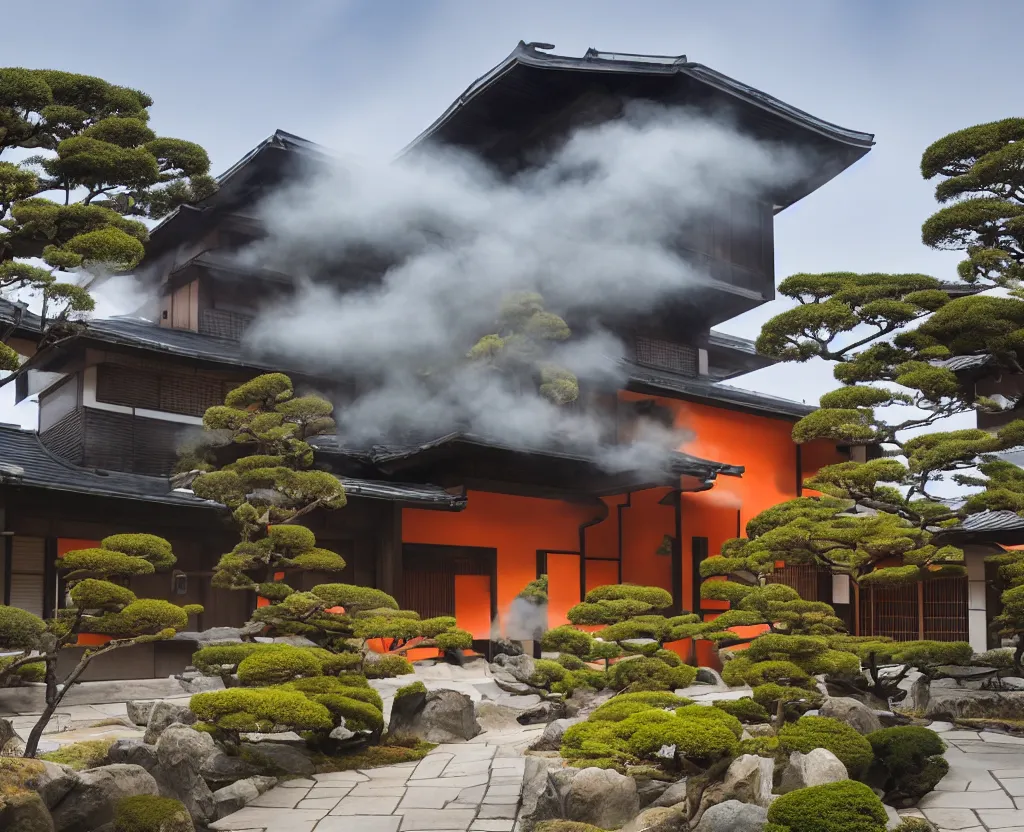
(432, 583)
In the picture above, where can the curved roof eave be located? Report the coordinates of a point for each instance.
(596, 61)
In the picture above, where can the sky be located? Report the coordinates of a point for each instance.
(364, 77)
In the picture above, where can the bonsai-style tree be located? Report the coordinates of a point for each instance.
(99, 604)
(636, 629)
(103, 163)
(520, 349)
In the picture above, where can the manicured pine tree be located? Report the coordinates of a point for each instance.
(96, 152)
(101, 605)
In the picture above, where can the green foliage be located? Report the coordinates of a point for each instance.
(391, 753)
(811, 732)
(387, 667)
(908, 761)
(408, 690)
(567, 639)
(700, 740)
(846, 806)
(585, 678)
(746, 710)
(358, 715)
(19, 629)
(269, 667)
(769, 696)
(454, 639)
(536, 591)
(655, 597)
(354, 598)
(259, 709)
(759, 746)
(649, 674)
(149, 813)
(80, 755)
(546, 672)
(624, 705)
(718, 715)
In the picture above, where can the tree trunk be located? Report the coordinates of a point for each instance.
(52, 701)
(1018, 656)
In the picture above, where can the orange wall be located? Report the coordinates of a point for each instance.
(515, 526)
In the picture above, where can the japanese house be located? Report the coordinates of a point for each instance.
(459, 524)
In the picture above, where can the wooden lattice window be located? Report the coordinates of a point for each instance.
(803, 577)
(666, 355)
(945, 609)
(934, 609)
(222, 323)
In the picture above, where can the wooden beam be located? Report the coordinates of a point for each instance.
(389, 551)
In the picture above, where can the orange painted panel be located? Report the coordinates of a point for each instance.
(92, 639)
(473, 604)
(515, 526)
(563, 587)
(70, 544)
(601, 573)
(644, 526)
(263, 602)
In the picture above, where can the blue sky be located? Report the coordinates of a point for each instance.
(366, 77)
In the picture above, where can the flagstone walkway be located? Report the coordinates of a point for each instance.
(465, 787)
(984, 789)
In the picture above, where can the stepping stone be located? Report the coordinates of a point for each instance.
(431, 766)
(432, 798)
(298, 783)
(360, 823)
(498, 810)
(326, 803)
(381, 805)
(966, 800)
(421, 820)
(340, 777)
(1001, 818)
(279, 798)
(252, 817)
(492, 825)
(952, 818)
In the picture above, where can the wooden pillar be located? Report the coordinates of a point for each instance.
(920, 610)
(389, 550)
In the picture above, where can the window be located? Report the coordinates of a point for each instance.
(666, 355)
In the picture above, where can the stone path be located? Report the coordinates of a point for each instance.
(474, 786)
(984, 789)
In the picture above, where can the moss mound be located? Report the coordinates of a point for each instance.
(388, 754)
(626, 704)
(746, 710)
(388, 666)
(908, 762)
(846, 806)
(810, 732)
(148, 813)
(80, 755)
(649, 674)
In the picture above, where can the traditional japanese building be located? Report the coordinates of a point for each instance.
(460, 523)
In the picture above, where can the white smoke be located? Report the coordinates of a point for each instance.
(596, 231)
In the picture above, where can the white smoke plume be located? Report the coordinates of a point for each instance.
(595, 230)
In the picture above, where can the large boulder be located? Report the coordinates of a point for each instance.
(233, 797)
(535, 803)
(816, 768)
(25, 812)
(541, 713)
(436, 716)
(520, 667)
(674, 794)
(219, 769)
(658, 819)
(733, 816)
(54, 783)
(748, 780)
(164, 714)
(134, 752)
(855, 714)
(601, 797)
(551, 739)
(94, 798)
(181, 752)
(951, 703)
(139, 711)
(279, 758)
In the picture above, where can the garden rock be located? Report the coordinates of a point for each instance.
(541, 713)
(95, 795)
(541, 796)
(855, 714)
(233, 797)
(710, 676)
(551, 739)
(25, 812)
(520, 667)
(438, 716)
(164, 714)
(648, 791)
(135, 753)
(748, 780)
(960, 703)
(602, 797)
(138, 712)
(7, 732)
(676, 793)
(219, 769)
(733, 816)
(279, 758)
(816, 768)
(759, 729)
(181, 752)
(659, 819)
(54, 783)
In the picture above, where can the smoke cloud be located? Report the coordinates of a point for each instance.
(597, 230)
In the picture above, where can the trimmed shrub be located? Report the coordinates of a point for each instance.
(759, 746)
(745, 710)
(354, 598)
(546, 672)
(358, 716)
(316, 685)
(650, 674)
(148, 546)
(339, 662)
(388, 666)
(779, 672)
(700, 740)
(800, 699)
(149, 813)
(409, 690)
(260, 709)
(270, 667)
(606, 612)
(908, 761)
(734, 671)
(585, 678)
(567, 639)
(846, 806)
(625, 705)
(571, 662)
(454, 640)
(211, 659)
(704, 712)
(810, 732)
(19, 629)
(653, 596)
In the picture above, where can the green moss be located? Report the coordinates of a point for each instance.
(705, 712)
(276, 666)
(655, 597)
(745, 709)
(908, 761)
(387, 754)
(149, 813)
(585, 678)
(354, 598)
(546, 672)
(260, 709)
(759, 746)
(80, 755)
(606, 612)
(845, 806)
(455, 639)
(567, 639)
(627, 704)
(317, 685)
(433, 627)
(408, 690)
(698, 740)
(650, 674)
(802, 699)
(387, 667)
(811, 732)
(340, 662)
(571, 662)
(211, 659)
(358, 716)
